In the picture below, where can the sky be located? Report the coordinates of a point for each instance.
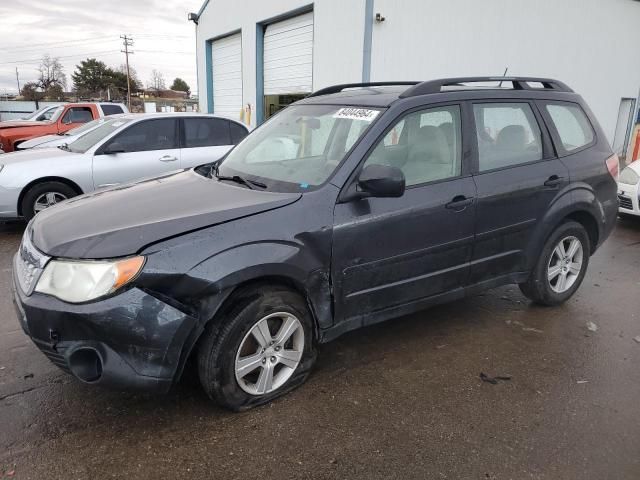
(74, 30)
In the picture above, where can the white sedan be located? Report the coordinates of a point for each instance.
(629, 189)
(118, 151)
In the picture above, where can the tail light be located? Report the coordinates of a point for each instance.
(613, 165)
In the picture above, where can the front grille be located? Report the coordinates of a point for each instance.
(625, 202)
(56, 357)
(29, 264)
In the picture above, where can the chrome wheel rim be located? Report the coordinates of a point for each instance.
(269, 353)
(46, 200)
(565, 264)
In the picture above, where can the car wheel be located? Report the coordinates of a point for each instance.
(43, 195)
(561, 267)
(263, 348)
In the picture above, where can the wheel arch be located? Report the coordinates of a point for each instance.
(35, 182)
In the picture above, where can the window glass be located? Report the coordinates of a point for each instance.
(300, 146)
(508, 134)
(159, 134)
(205, 132)
(109, 109)
(427, 148)
(572, 125)
(78, 115)
(237, 133)
(89, 139)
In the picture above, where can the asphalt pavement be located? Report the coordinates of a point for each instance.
(400, 400)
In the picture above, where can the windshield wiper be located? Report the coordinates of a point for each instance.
(235, 178)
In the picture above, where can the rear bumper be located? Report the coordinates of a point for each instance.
(132, 341)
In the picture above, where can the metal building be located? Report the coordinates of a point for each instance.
(256, 56)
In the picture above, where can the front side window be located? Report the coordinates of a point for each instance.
(299, 147)
(572, 125)
(426, 145)
(205, 132)
(110, 109)
(508, 134)
(157, 134)
(77, 115)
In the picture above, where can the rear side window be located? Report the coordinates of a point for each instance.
(237, 133)
(508, 134)
(111, 109)
(572, 125)
(205, 132)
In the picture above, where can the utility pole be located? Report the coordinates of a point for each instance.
(127, 42)
(18, 80)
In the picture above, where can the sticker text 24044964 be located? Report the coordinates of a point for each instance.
(351, 113)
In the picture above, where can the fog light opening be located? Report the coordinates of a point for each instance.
(86, 365)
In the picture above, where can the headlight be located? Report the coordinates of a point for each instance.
(628, 176)
(81, 281)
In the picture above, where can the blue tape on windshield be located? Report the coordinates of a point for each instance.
(304, 185)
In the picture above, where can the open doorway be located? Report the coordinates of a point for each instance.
(273, 103)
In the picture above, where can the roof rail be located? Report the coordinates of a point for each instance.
(344, 86)
(519, 83)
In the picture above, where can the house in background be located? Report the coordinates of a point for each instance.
(254, 57)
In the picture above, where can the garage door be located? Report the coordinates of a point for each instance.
(288, 56)
(226, 61)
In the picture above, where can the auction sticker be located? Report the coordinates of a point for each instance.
(350, 113)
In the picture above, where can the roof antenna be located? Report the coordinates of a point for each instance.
(504, 75)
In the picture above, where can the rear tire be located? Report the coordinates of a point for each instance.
(228, 372)
(43, 195)
(559, 271)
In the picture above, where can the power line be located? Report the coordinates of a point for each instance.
(47, 44)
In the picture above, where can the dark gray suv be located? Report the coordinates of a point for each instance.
(358, 204)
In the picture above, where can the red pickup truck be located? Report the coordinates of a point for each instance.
(68, 116)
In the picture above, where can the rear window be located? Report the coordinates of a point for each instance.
(572, 125)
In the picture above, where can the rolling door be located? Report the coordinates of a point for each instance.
(226, 62)
(288, 56)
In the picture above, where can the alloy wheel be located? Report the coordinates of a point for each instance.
(565, 264)
(269, 353)
(46, 200)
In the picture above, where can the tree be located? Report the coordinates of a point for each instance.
(157, 81)
(136, 84)
(51, 73)
(180, 85)
(91, 76)
(30, 92)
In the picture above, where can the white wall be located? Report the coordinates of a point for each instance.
(592, 45)
(337, 44)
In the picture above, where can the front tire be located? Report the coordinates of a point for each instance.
(263, 348)
(44, 195)
(561, 267)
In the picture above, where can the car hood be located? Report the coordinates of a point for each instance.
(21, 123)
(22, 156)
(121, 221)
(35, 142)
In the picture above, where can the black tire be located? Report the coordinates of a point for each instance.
(222, 339)
(29, 199)
(538, 287)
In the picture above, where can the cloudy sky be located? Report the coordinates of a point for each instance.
(74, 30)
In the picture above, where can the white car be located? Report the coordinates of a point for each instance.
(47, 141)
(41, 115)
(629, 189)
(120, 150)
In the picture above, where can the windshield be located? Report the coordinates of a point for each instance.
(89, 139)
(84, 127)
(35, 114)
(56, 113)
(300, 147)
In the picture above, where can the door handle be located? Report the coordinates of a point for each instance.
(168, 158)
(553, 181)
(459, 203)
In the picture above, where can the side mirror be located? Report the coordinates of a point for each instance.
(113, 148)
(381, 181)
